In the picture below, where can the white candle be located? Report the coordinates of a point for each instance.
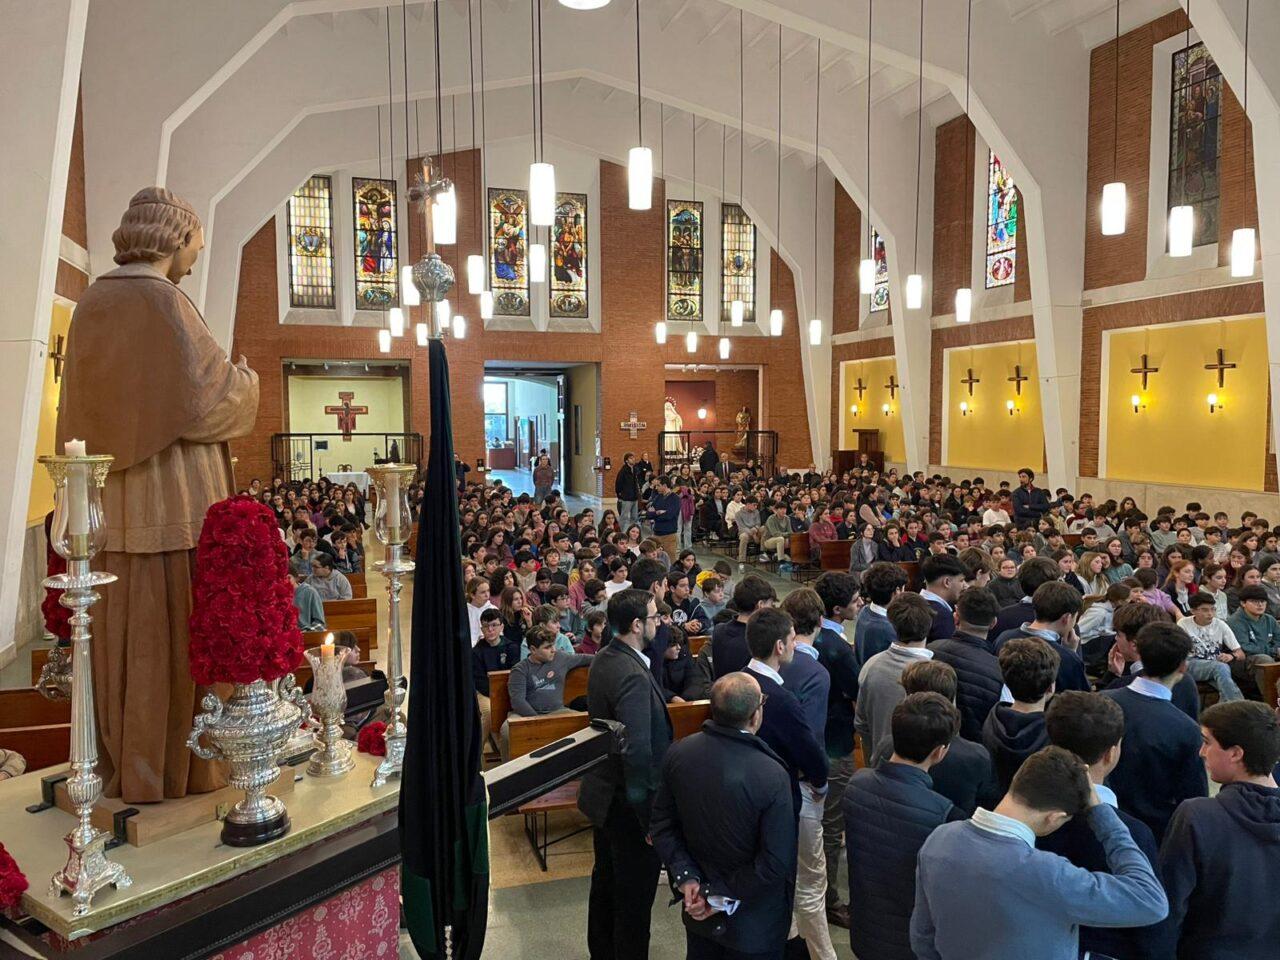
(392, 492)
(77, 490)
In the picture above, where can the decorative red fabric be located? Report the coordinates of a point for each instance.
(244, 625)
(372, 739)
(12, 882)
(57, 618)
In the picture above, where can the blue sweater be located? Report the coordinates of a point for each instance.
(809, 681)
(987, 896)
(1160, 763)
(664, 511)
(1071, 675)
(872, 633)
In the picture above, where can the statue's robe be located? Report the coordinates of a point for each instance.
(147, 383)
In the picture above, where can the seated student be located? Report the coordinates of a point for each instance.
(310, 606)
(1091, 726)
(551, 566)
(1004, 585)
(1123, 662)
(1257, 633)
(536, 683)
(943, 577)
(12, 764)
(1214, 648)
(328, 582)
(1152, 594)
(1056, 606)
(777, 533)
(893, 549)
(872, 632)
(493, 652)
(969, 652)
(1014, 731)
(1095, 621)
(1032, 573)
(1160, 766)
(879, 681)
(549, 616)
(477, 596)
(571, 622)
(594, 597)
(684, 608)
(1032, 903)
(889, 811)
(1220, 860)
(617, 582)
(712, 602)
(541, 587)
(965, 775)
(595, 636)
(1066, 561)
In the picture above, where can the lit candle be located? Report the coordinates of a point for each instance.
(392, 492)
(77, 490)
(326, 648)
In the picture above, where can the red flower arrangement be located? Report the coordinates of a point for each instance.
(57, 618)
(12, 882)
(244, 625)
(372, 739)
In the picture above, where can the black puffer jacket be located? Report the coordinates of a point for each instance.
(978, 678)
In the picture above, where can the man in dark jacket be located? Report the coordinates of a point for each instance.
(729, 652)
(889, 813)
(664, 513)
(943, 577)
(1221, 855)
(616, 795)
(724, 825)
(1029, 502)
(970, 654)
(1014, 731)
(1056, 607)
(1160, 766)
(627, 489)
(1091, 726)
(710, 459)
(1031, 575)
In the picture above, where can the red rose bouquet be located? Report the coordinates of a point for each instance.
(372, 739)
(12, 883)
(244, 625)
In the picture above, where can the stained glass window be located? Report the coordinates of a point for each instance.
(1195, 136)
(1002, 224)
(569, 257)
(738, 251)
(377, 275)
(684, 260)
(508, 238)
(310, 219)
(880, 292)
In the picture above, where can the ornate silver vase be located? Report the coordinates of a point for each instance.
(333, 757)
(248, 731)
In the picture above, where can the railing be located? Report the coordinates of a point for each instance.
(297, 456)
(676, 448)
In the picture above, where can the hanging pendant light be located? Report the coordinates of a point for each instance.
(724, 348)
(1115, 202)
(775, 315)
(384, 340)
(1244, 240)
(691, 341)
(815, 324)
(443, 314)
(542, 194)
(459, 327)
(542, 175)
(737, 310)
(775, 322)
(395, 321)
(423, 332)
(409, 295)
(964, 296)
(444, 217)
(486, 305)
(915, 282)
(538, 263)
(640, 158)
(660, 331)
(475, 274)
(815, 332)
(1182, 226)
(867, 266)
(486, 295)
(584, 4)
(866, 276)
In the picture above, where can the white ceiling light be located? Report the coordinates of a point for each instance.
(475, 274)
(443, 314)
(1115, 202)
(815, 324)
(423, 333)
(384, 340)
(866, 276)
(1244, 240)
(459, 327)
(1182, 226)
(584, 4)
(444, 217)
(737, 310)
(775, 322)
(815, 332)
(486, 305)
(691, 341)
(542, 175)
(964, 296)
(395, 320)
(660, 331)
(538, 263)
(724, 348)
(640, 157)
(964, 305)
(542, 194)
(915, 282)
(915, 291)
(409, 295)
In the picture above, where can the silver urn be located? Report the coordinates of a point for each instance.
(248, 731)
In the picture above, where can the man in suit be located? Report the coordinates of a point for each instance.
(724, 825)
(616, 795)
(943, 577)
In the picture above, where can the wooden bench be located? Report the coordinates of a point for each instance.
(835, 555)
(697, 642)
(359, 591)
(37, 728)
(364, 639)
(802, 565)
(575, 685)
(353, 615)
(1270, 678)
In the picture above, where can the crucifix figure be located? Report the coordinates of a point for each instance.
(58, 358)
(1018, 379)
(1145, 369)
(1222, 367)
(633, 425)
(861, 388)
(892, 387)
(969, 380)
(346, 414)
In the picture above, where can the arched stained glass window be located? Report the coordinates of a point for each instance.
(310, 224)
(738, 251)
(1195, 138)
(1002, 224)
(684, 260)
(377, 273)
(508, 252)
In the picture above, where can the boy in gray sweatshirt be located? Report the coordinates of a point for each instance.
(879, 683)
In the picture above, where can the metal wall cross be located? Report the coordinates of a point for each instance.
(969, 380)
(1018, 379)
(633, 425)
(1222, 367)
(860, 387)
(1145, 369)
(58, 358)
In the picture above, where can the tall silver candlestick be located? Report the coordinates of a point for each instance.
(392, 524)
(78, 534)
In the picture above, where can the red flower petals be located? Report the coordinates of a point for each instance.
(12, 882)
(372, 739)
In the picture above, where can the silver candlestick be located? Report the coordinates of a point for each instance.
(78, 534)
(391, 524)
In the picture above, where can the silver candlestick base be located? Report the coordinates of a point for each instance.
(392, 764)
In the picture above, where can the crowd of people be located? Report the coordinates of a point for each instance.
(1035, 759)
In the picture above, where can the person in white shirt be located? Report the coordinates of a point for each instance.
(328, 582)
(617, 577)
(731, 511)
(1215, 646)
(477, 593)
(996, 513)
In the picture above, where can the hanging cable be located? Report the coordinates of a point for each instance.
(439, 96)
(817, 144)
(742, 109)
(404, 50)
(778, 200)
(471, 69)
(639, 96)
(915, 257)
(871, 9)
(533, 73)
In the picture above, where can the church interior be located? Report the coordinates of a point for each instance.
(925, 287)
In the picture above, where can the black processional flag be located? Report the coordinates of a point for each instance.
(444, 840)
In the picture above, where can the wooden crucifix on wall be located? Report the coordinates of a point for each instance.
(969, 380)
(1018, 379)
(1145, 369)
(892, 386)
(1221, 367)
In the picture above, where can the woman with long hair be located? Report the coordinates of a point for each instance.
(517, 615)
(1117, 569)
(1180, 585)
(1093, 571)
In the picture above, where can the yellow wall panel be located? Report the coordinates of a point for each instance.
(986, 435)
(41, 501)
(871, 415)
(308, 396)
(1174, 430)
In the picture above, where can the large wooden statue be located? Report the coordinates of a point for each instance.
(147, 383)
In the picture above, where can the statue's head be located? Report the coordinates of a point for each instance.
(159, 228)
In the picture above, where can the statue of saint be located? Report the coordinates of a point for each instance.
(673, 424)
(147, 383)
(742, 421)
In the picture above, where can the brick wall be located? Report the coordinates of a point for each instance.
(952, 211)
(846, 237)
(632, 276)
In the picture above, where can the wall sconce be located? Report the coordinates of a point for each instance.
(854, 409)
(1214, 402)
(886, 410)
(1011, 407)
(607, 463)
(702, 413)
(964, 408)
(1138, 403)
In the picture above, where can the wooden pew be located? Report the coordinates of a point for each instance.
(836, 555)
(37, 728)
(530, 733)
(358, 590)
(364, 639)
(1072, 540)
(1270, 678)
(697, 642)
(353, 615)
(358, 580)
(575, 685)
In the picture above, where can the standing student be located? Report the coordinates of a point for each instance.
(969, 652)
(664, 513)
(1016, 730)
(984, 892)
(729, 652)
(1160, 765)
(1221, 856)
(616, 796)
(944, 577)
(1056, 606)
(879, 687)
(873, 632)
(627, 490)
